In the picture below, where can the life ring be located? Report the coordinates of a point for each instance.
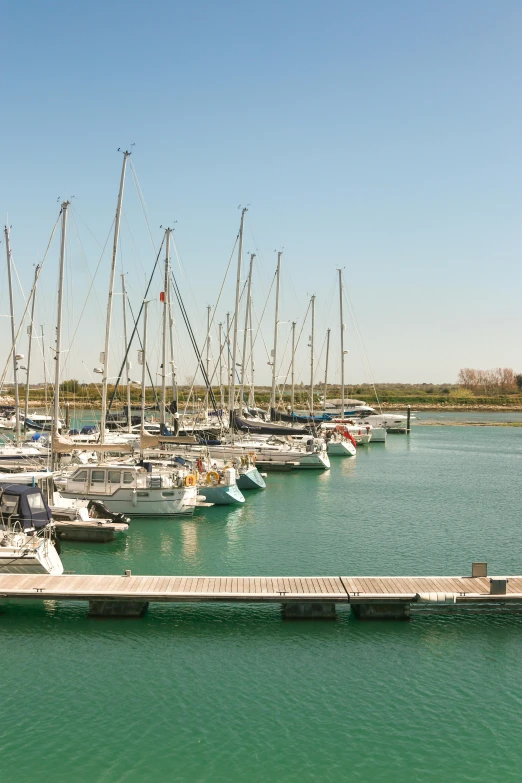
(190, 480)
(212, 475)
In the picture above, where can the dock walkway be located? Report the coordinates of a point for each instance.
(370, 597)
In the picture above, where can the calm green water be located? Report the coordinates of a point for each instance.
(214, 693)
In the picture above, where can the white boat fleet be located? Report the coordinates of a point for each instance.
(129, 466)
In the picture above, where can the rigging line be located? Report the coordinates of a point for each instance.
(37, 277)
(224, 278)
(298, 339)
(209, 382)
(135, 326)
(90, 289)
(217, 302)
(85, 259)
(316, 369)
(146, 362)
(288, 276)
(17, 277)
(135, 246)
(282, 390)
(93, 382)
(260, 258)
(260, 320)
(240, 353)
(184, 275)
(318, 362)
(362, 346)
(142, 202)
(86, 226)
(216, 365)
(195, 346)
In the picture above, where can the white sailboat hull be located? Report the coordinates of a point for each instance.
(341, 448)
(28, 559)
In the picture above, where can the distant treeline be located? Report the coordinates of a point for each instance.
(500, 386)
(500, 380)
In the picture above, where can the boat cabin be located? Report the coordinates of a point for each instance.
(107, 479)
(24, 507)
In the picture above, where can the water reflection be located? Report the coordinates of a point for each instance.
(189, 533)
(349, 466)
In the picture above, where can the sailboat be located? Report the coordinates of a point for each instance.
(26, 532)
(272, 443)
(133, 490)
(340, 441)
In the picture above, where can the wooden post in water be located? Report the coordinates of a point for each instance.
(408, 415)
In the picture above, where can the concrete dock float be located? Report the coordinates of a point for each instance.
(305, 597)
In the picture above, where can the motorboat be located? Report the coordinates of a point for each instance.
(363, 414)
(133, 490)
(39, 422)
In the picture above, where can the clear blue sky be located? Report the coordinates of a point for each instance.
(381, 137)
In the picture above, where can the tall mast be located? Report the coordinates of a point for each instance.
(292, 398)
(207, 360)
(326, 368)
(245, 333)
(109, 303)
(276, 326)
(312, 337)
(56, 415)
(127, 363)
(172, 365)
(227, 343)
(44, 366)
(30, 333)
(342, 339)
(232, 379)
(221, 390)
(165, 300)
(252, 395)
(143, 355)
(13, 334)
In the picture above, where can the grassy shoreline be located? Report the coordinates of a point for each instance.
(392, 397)
(386, 406)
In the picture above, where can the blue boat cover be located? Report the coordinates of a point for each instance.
(31, 510)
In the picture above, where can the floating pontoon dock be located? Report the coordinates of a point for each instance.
(369, 597)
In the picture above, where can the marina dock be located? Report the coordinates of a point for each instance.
(306, 597)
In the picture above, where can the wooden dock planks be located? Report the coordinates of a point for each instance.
(281, 589)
